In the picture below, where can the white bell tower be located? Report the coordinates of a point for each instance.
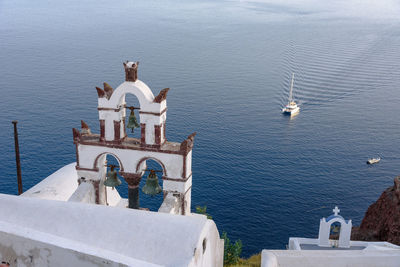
(132, 153)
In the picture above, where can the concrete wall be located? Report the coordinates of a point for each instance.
(210, 248)
(17, 249)
(323, 258)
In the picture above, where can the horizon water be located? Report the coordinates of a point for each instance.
(264, 177)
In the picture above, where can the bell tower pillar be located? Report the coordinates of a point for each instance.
(133, 181)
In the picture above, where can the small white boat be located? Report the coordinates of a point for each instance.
(373, 160)
(291, 108)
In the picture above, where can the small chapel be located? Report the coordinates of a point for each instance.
(333, 247)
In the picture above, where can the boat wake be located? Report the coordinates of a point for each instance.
(327, 72)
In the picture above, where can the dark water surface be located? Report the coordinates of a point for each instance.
(264, 177)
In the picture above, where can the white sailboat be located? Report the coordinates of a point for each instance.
(291, 108)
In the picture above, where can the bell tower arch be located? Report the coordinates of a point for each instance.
(132, 153)
(112, 109)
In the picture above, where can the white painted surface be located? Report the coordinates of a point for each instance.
(58, 186)
(138, 89)
(325, 229)
(152, 119)
(328, 258)
(130, 159)
(150, 134)
(212, 254)
(113, 197)
(119, 235)
(85, 194)
(323, 252)
(177, 186)
(296, 242)
(171, 204)
(344, 242)
(189, 164)
(26, 247)
(145, 97)
(152, 114)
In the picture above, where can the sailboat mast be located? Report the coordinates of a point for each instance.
(291, 89)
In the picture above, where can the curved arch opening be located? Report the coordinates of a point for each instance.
(103, 162)
(100, 161)
(335, 229)
(130, 100)
(142, 165)
(153, 203)
(139, 89)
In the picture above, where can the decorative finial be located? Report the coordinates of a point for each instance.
(85, 128)
(100, 92)
(187, 144)
(108, 90)
(76, 134)
(336, 211)
(161, 96)
(131, 71)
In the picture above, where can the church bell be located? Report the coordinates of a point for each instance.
(152, 187)
(112, 178)
(132, 122)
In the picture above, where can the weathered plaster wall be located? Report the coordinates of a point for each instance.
(22, 251)
(85, 194)
(173, 162)
(211, 252)
(135, 235)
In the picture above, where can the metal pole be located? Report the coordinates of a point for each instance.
(17, 158)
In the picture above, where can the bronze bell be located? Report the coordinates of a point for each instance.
(112, 178)
(152, 187)
(132, 122)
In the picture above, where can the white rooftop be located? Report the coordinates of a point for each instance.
(120, 235)
(60, 185)
(330, 258)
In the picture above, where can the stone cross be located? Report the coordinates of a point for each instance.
(336, 210)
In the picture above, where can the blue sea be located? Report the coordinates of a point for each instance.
(264, 177)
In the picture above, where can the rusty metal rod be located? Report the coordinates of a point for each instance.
(17, 158)
(132, 107)
(112, 165)
(151, 170)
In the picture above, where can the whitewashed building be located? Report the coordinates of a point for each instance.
(56, 222)
(325, 252)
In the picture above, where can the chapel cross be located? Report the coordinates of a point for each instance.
(336, 210)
